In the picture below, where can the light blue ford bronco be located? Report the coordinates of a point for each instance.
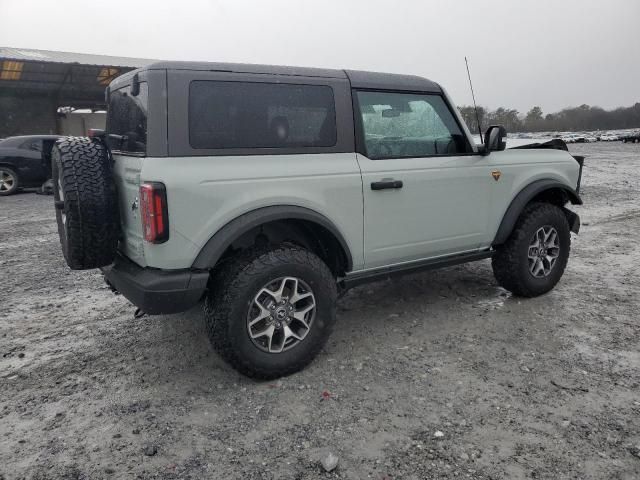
(265, 191)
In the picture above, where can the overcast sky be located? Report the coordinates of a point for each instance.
(552, 53)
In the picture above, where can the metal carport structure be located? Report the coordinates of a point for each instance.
(35, 83)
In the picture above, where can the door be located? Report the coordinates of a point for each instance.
(32, 169)
(425, 193)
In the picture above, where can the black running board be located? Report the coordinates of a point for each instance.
(376, 274)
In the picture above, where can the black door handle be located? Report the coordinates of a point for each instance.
(384, 184)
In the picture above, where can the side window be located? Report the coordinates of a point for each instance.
(397, 125)
(127, 120)
(260, 115)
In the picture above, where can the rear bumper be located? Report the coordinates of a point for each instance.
(156, 291)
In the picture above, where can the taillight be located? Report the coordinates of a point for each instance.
(153, 208)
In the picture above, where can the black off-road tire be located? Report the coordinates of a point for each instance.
(16, 182)
(510, 263)
(233, 287)
(86, 203)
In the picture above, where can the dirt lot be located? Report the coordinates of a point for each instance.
(540, 388)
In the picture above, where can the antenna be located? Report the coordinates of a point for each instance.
(474, 100)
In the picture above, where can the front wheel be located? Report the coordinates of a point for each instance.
(269, 312)
(533, 259)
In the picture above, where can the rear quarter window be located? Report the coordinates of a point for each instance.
(227, 115)
(127, 120)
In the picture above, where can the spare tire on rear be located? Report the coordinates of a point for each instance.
(86, 204)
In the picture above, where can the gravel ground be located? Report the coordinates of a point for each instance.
(435, 375)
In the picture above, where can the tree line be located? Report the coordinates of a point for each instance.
(582, 118)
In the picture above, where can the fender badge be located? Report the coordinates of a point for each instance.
(496, 174)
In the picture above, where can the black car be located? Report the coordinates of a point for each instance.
(25, 161)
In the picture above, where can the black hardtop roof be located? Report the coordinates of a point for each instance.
(357, 78)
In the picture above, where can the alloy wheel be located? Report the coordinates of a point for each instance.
(7, 181)
(281, 314)
(544, 250)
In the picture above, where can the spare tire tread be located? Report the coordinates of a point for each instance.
(90, 238)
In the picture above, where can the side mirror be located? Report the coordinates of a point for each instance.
(494, 139)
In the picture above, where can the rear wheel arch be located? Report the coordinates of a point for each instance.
(542, 191)
(10, 166)
(300, 225)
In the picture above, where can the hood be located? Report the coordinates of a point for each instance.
(554, 144)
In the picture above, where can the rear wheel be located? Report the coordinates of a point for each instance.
(8, 181)
(533, 259)
(270, 311)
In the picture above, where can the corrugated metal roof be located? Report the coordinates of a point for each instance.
(73, 79)
(29, 54)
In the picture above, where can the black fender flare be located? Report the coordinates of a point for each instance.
(224, 237)
(523, 198)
